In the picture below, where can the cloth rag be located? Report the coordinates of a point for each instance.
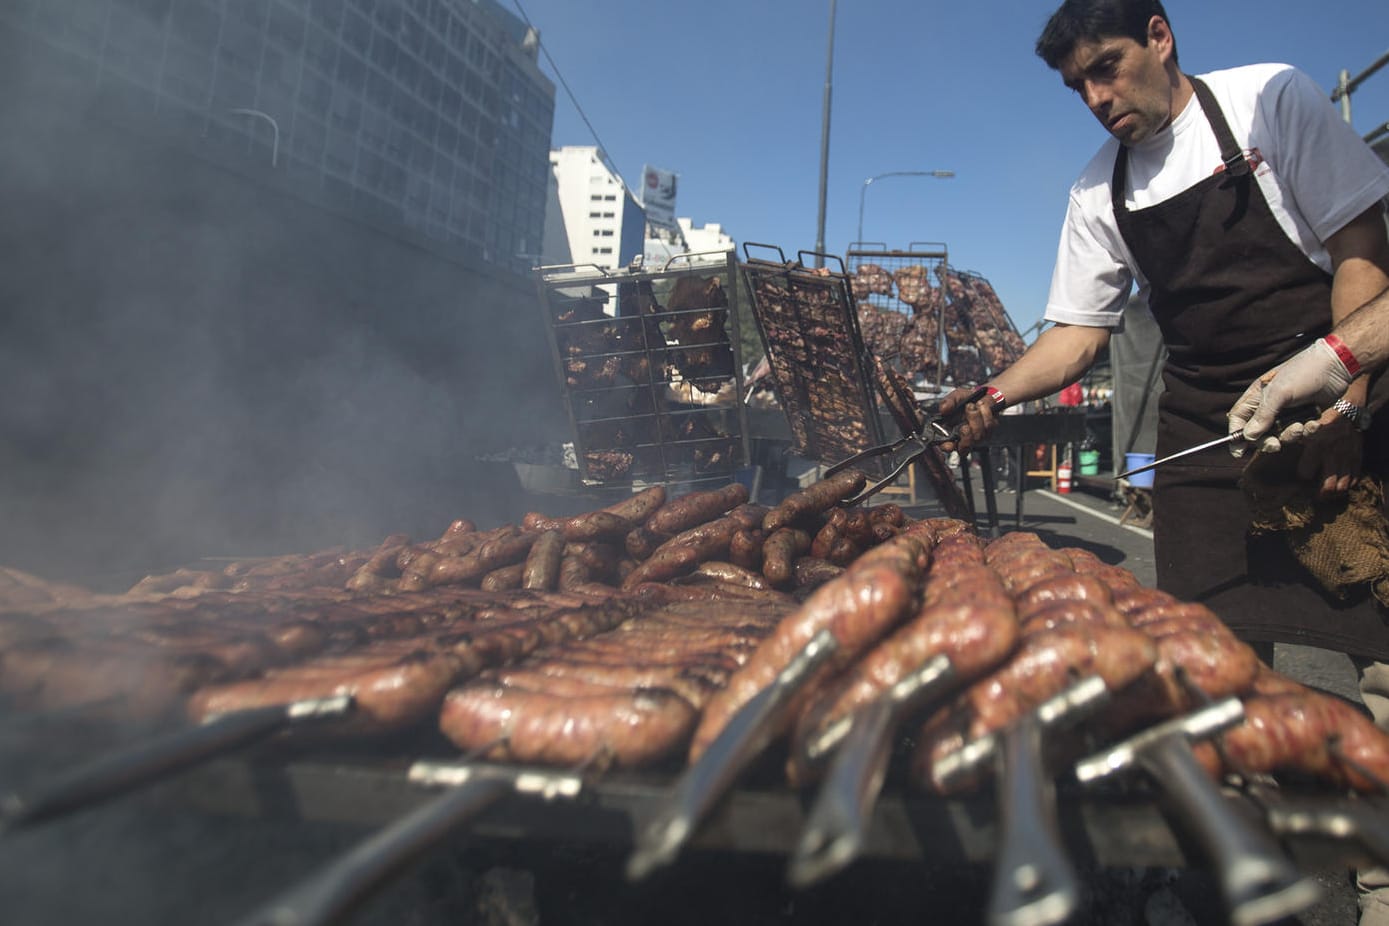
(1343, 542)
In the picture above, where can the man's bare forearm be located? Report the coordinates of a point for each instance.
(1366, 333)
(1056, 359)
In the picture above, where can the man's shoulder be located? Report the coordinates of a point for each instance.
(1099, 170)
(1251, 77)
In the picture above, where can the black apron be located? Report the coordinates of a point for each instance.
(1234, 297)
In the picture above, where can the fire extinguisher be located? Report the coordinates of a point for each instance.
(1063, 475)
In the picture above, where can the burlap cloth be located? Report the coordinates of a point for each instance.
(1343, 542)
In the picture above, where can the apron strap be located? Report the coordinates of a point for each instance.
(1231, 155)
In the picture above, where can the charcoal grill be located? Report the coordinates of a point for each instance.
(652, 392)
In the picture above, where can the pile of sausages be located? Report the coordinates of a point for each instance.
(400, 625)
(632, 634)
(1021, 622)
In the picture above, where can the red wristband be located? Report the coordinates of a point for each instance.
(996, 396)
(1347, 358)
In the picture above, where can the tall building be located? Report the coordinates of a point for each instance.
(430, 114)
(604, 225)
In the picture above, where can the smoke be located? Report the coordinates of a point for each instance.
(196, 358)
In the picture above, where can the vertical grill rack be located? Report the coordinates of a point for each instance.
(976, 321)
(900, 309)
(928, 320)
(819, 365)
(649, 367)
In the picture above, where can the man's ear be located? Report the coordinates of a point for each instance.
(1160, 33)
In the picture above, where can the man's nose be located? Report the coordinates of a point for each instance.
(1096, 95)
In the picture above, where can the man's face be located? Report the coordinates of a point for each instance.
(1125, 85)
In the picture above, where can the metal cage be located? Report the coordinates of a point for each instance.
(649, 367)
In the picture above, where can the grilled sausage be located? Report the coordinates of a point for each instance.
(641, 542)
(541, 569)
(607, 725)
(1043, 665)
(507, 577)
(809, 572)
(814, 498)
(779, 552)
(828, 535)
(1308, 733)
(684, 551)
(641, 505)
(728, 572)
(745, 548)
(687, 511)
(857, 608)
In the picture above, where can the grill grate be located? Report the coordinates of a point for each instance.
(819, 365)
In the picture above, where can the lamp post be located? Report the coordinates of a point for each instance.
(863, 192)
(274, 130)
(825, 146)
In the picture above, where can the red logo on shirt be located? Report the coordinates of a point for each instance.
(1254, 156)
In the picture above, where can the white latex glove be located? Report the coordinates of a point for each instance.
(1315, 374)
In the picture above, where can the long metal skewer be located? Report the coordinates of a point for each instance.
(151, 760)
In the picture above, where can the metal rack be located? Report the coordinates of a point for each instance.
(649, 367)
(952, 330)
(975, 320)
(820, 369)
(903, 310)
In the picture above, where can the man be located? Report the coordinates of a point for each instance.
(1250, 217)
(1318, 375)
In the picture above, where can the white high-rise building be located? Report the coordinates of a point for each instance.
(603, 222)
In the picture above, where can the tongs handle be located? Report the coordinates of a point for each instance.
(936, 430)
(942, 428)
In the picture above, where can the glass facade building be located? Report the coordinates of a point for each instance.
(432, 114)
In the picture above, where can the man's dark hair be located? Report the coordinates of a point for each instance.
(1094, 20)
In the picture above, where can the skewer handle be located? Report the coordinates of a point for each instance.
(1034, 883)
(151, 760)
(1259, 883)
(834, 832)
(706, 781)
(335, 890)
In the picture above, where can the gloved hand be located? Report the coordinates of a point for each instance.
(1315, 374)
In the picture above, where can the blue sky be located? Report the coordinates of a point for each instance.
(728, 94)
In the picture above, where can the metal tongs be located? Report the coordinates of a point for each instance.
(939, 429)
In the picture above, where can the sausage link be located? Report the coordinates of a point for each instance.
(684, 551)
(507, 577)
(574, 572)
(541, 568)
(745, 548)
(779, 552)
(685, 512)
(617, 727)
(829, 534)
(641, 505)
(641, 542)
(814, 498)
(857, 607)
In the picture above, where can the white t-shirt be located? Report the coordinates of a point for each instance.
(1315, 172)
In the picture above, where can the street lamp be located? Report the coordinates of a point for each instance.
(942, 174)
(274, 130)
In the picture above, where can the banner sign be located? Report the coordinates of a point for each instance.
(658, 196)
